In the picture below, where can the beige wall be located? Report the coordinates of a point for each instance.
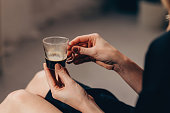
(20, 17)
(16, 19)
(148, 18)
(0, 42)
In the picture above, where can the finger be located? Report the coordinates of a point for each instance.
(79, 56)
(83, 50)
(83, 44)
(77, 62)
(69, 54)
(83, 38)
(62, 73)
(70, 58)
(81, 60)
(50, 78)
(73, 58)
(69, 47)
(78, 59)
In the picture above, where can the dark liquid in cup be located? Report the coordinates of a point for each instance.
(51, 64)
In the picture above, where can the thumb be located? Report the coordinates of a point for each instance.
(62, 73)
(83, 50)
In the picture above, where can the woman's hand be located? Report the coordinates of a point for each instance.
(92, 47)
(65, 89)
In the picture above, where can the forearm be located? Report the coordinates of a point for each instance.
(131, 73)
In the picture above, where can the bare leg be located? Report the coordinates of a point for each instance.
(38, 85)
(22, 101)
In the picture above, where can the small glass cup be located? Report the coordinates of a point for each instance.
(55, 48)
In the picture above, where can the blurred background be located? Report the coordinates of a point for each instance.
(129, 25)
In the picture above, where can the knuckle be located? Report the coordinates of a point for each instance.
(78, 37)
(96, 34)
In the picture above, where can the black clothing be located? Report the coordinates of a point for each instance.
(155, 95)
(103, 98)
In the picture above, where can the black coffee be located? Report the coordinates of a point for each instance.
(51, 64)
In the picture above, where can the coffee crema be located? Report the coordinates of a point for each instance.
(51, 64)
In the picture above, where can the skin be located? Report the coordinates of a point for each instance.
(88, 50)
(38, 85)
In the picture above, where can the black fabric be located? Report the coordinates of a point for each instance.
(103, 98)
(155, 96)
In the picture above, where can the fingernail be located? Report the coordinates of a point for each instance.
(75, 50)
(69, 43)
(57, 66)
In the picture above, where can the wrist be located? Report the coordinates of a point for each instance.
(117, 57)
(124, 65)
(89, 106)
(121, 61)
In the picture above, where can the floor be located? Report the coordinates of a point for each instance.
(122, 31)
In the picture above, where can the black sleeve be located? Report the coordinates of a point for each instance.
(155, 95)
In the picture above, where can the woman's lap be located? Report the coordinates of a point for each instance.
(103, 98)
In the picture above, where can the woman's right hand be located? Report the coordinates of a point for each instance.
(94, 48)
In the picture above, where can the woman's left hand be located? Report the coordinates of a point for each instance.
(65, 89)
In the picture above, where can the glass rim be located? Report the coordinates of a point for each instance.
(55, 37)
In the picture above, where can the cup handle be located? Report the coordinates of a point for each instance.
(70, 59)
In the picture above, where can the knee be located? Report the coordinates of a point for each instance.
(37, 81)
(18, 96)
(38, 85)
